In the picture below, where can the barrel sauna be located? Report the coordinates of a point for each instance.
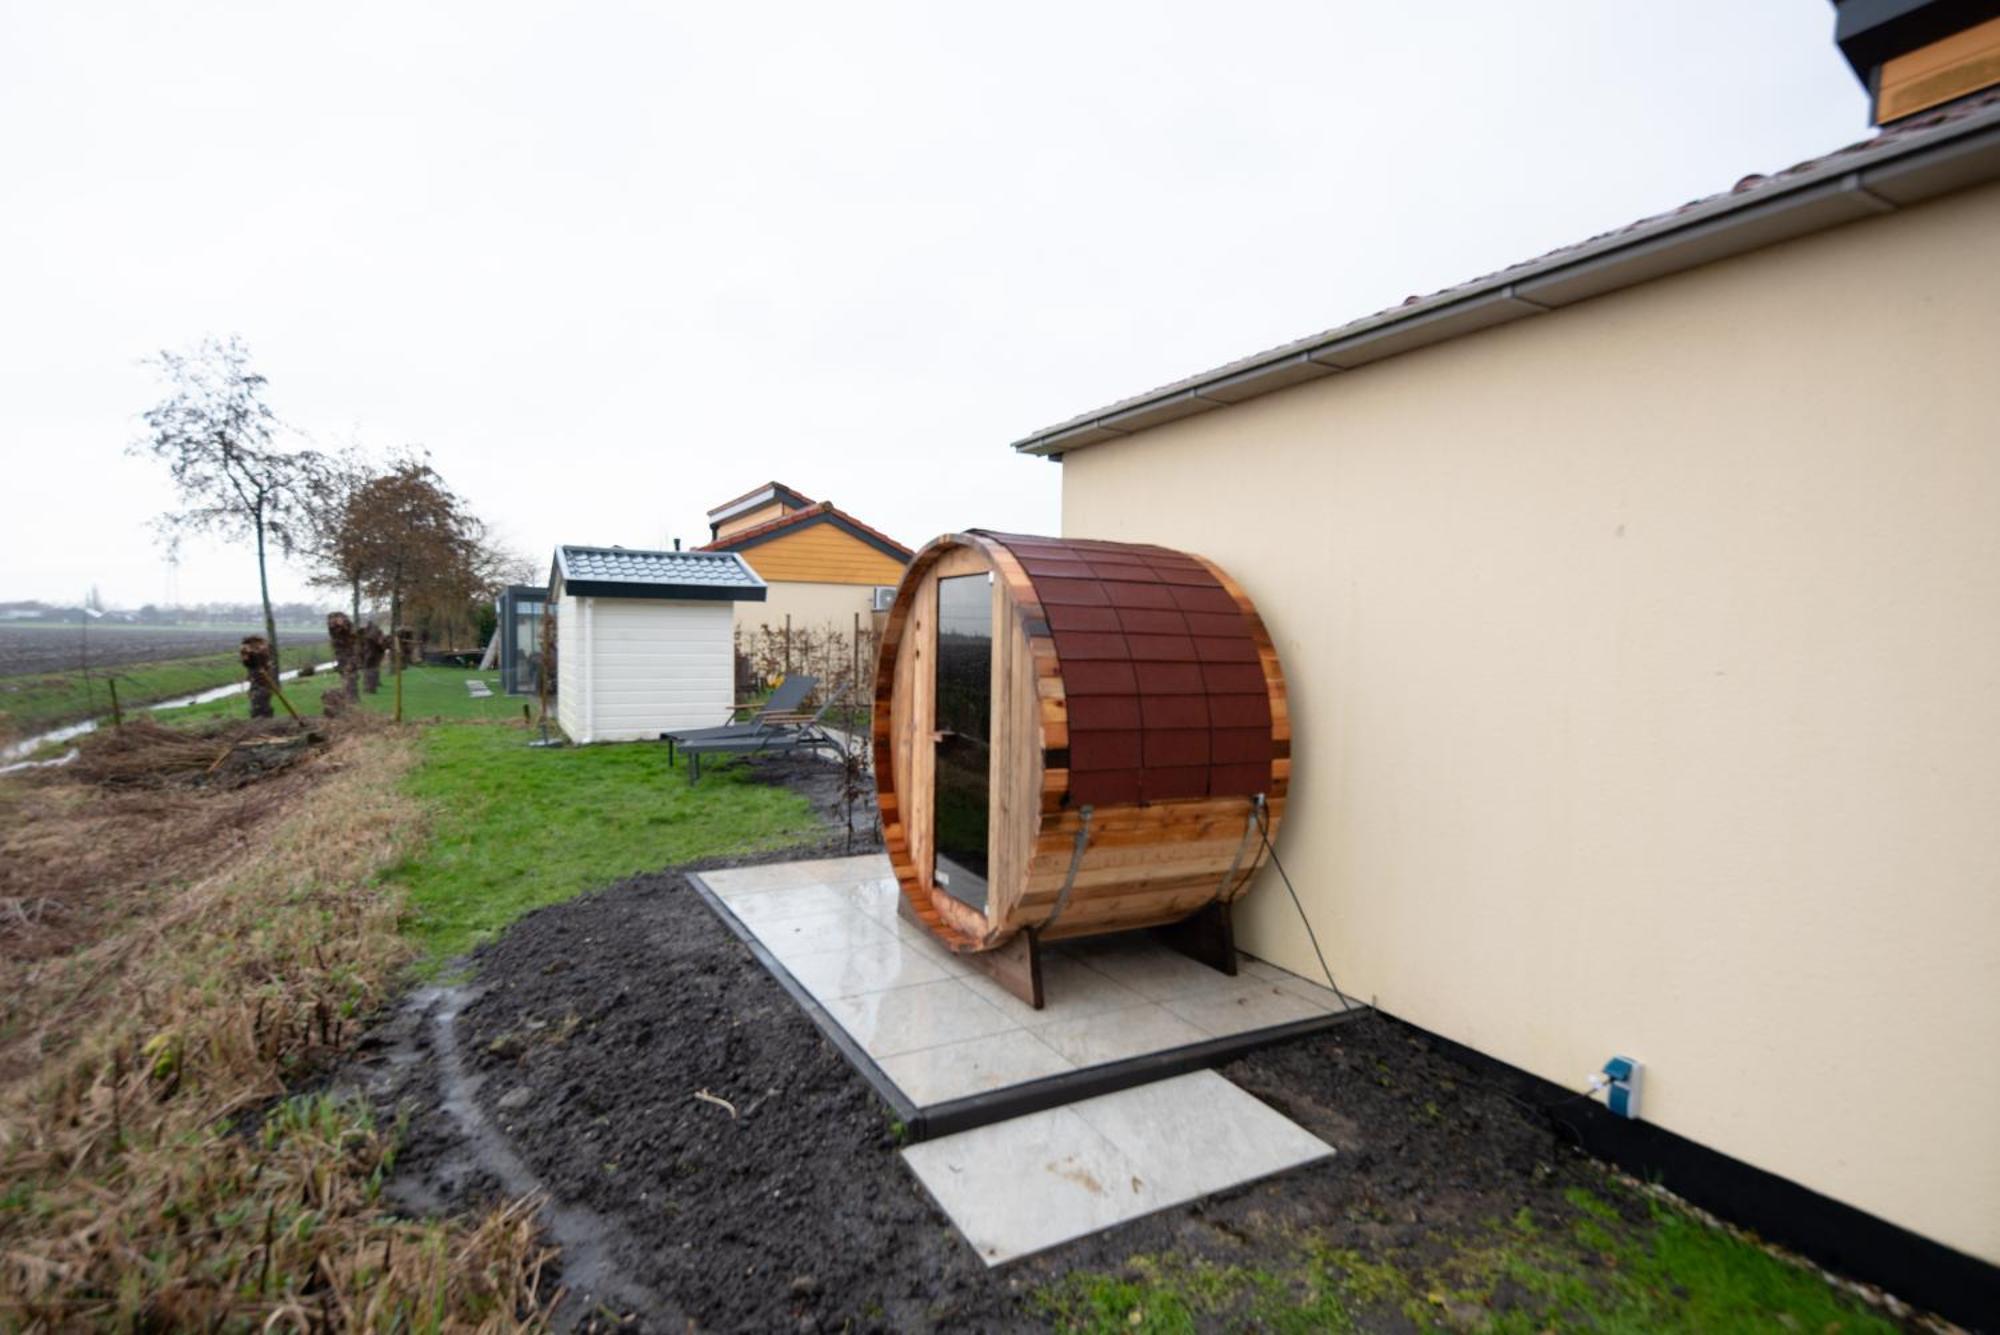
(1071, 738)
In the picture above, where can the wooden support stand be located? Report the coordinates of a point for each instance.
(1205, 936)
(1016, 966)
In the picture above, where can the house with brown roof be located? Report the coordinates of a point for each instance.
(1639, 608)
(822, 566)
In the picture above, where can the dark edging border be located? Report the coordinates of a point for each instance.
(885, 1089)
(1838, 1236)
(943, 1119)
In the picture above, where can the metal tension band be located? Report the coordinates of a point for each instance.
(1256, 816)
(1069, 881)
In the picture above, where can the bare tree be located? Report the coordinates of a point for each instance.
(332, 534)
(500, 566)
(219, 441)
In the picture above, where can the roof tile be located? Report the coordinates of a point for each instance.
(719, 571)
(1155, 713)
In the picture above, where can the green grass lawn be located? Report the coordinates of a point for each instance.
(516, 827)
(41, 700)
(428, 693)
(1641, 1270)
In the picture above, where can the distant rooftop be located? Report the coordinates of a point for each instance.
(821, 512)
(625, 572)
(757, 497)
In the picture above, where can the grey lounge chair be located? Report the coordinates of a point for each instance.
(779, 710)
(778, 738)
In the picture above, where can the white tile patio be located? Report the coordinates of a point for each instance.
(942, 1030)
(1030, 1183)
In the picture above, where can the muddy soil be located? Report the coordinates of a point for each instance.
(62, 649)
(713, 1163)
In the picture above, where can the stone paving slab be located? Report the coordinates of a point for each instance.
(1021, 1186)
(941, 1030)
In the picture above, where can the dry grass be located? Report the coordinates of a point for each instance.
(88, 851)
(156, 1176)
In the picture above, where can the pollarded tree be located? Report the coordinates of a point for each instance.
(219, 441)
(415, 539)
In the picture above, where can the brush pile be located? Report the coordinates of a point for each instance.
(145, 754)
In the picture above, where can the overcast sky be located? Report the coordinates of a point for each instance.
(614, 264)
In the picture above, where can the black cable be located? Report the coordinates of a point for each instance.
(1264, 831)
(1543, 1110)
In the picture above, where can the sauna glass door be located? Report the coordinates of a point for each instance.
(964, 732)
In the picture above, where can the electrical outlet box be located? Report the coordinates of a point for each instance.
(1627, 1076)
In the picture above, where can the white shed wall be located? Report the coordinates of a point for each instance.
(645, 665)
(572, 666)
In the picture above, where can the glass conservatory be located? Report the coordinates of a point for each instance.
(522, 607)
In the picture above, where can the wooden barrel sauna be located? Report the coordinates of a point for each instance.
(1073, 737)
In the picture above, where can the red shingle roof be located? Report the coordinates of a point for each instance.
(1166, 692)
(820, 510)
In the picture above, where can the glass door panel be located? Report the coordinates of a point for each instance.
(964, 728)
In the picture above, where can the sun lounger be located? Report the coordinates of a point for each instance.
(777, 738)
(780, 710)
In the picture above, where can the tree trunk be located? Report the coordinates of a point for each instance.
(264, 592)
(396, 645)
(259, 666)
(354, 590)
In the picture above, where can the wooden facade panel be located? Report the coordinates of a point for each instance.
(1962, 63)
(821, 554)
(749, 519)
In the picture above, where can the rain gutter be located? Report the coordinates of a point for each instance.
(1845, 187)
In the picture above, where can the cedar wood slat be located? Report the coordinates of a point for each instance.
(1145, 865)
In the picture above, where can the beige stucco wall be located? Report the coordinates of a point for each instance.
(810, 605)
(1645, 667)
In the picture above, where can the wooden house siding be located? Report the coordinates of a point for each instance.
(763, 514)
(821, 554)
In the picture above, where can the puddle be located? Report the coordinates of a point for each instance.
(423, 1041)
(18, 752)
(56, 763)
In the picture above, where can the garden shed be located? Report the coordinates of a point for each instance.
(644, 639)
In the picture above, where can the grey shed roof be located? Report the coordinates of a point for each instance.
(623, 572)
